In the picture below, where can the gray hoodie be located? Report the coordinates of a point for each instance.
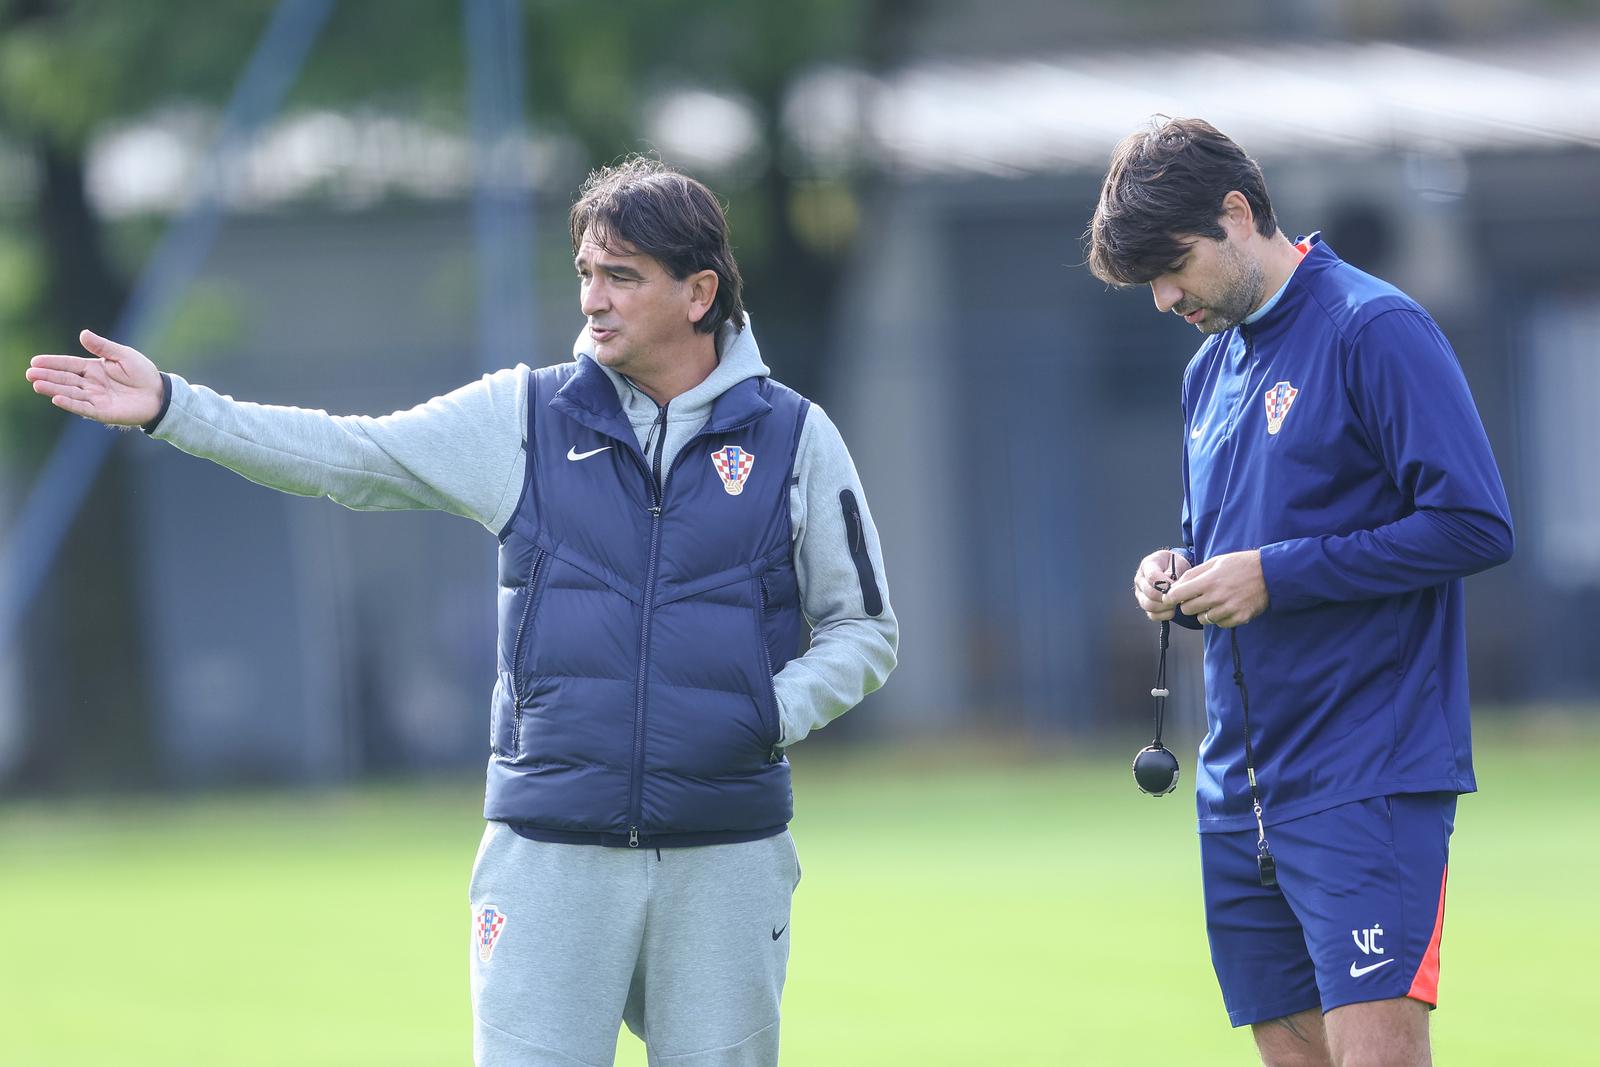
(464, 453)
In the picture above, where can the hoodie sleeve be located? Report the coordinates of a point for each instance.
(461, 452)
(839, 563)
(1414, 406)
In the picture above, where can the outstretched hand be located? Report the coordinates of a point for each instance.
(117, 385)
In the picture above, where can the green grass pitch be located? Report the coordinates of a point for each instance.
(955, 909)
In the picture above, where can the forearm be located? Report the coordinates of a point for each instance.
(1420, 550)
(846, 661)
(457, 453)
(1413, 404)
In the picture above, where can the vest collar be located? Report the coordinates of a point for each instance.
(589, 399)
(741, 405)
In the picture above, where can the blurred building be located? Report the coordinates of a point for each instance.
(1015, 424)
(1032, 452)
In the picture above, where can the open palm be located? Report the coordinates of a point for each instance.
(117, 385)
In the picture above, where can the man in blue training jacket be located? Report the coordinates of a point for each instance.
(673, 526)
(1338, 486)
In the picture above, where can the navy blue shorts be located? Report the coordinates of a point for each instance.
(1356, 916)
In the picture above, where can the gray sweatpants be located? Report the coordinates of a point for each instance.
(688, 946)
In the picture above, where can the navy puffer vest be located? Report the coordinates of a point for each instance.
(640, 629)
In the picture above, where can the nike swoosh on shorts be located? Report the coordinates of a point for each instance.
(1357, 972)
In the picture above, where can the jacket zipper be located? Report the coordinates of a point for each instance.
(516, 651)
(636, 780)
(1238, 413)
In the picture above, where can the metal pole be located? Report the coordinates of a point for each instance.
(502, 210)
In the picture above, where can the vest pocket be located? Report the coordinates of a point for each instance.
(519, 650)
(766, 699)
(502, 713)
(520, 679)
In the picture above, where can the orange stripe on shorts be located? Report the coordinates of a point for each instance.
(1425, 986)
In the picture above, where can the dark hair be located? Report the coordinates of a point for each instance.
(1166, 183)
(656, 211)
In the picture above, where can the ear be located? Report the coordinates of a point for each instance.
(1237, 218)
(702, 287)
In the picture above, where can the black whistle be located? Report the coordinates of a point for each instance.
(1269, 868)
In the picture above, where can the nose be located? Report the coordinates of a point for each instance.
(1167, 295)
(593, 298)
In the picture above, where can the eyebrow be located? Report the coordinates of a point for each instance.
(621, 270)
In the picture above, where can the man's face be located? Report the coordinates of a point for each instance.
(1214, 285)
(638, 313)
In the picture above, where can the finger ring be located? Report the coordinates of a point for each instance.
(1205, 618)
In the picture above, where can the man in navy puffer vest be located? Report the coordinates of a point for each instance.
(673, 524)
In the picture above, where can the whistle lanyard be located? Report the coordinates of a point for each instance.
(1264, 861)
(1160, 692)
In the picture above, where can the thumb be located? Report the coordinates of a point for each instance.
(1182, 588)
(104, 347)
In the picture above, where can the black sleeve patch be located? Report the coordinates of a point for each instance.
(856, 535)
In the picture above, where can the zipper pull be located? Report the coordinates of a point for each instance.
(633, 837)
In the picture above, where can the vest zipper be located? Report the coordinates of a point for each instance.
(636, 780)
(516, 651)
(658, 489)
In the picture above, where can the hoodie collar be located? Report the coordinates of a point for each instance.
(730, 396)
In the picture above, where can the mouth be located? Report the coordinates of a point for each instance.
(1193, 317)
(601, 334)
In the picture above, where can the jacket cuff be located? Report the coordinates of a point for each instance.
(166, 402)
